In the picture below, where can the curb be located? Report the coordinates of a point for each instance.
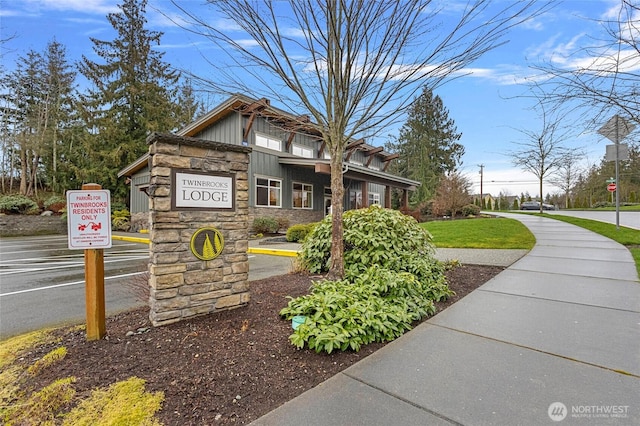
(130, 239)
(251, 250)
(273, 252)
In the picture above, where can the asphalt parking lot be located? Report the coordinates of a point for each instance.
(42, 281)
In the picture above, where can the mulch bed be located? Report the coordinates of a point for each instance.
(229, 367)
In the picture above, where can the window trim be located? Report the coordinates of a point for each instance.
(269, 189)
(302, 148)
(310, 193)
(269, 140)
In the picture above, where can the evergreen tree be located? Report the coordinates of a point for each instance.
(133, 95)
(59, 108)
(25, 98)
(37, 106)
(427, 145)
(190, 107)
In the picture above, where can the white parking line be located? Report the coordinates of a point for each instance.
(62, 265)
(67, 284)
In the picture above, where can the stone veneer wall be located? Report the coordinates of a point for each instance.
(293, 216)
(20, 225)
(181, 285)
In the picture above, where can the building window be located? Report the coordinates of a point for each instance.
(302, 196)
(268, 142)
(355, 199)
(268, 192)
(374, 198)
(302, 151)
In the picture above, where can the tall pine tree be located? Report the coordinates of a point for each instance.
(427, 144)
(60, 102)
(133, 94)
(26, 88)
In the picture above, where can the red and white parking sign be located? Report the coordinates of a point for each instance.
(89, 219)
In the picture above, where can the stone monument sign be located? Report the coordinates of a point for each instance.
(199, 233)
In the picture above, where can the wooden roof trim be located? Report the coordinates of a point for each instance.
(387, 161)
(354, 144)
(322, 147)
(373, 151)
(258, 105)
(371, 154)
(390, 157)
(290, 139)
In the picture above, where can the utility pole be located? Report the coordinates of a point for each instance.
(481, 176)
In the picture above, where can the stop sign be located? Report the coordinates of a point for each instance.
(611, 187)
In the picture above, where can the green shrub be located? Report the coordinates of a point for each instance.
(120, 220)
(265, 225)
(601, 204)
(297, 233)
(470, 210)
(391, 279)
(371, 236)
(55, 203)
(18, 204)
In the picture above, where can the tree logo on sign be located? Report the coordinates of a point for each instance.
(207, 243)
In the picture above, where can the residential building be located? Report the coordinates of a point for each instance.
(289, 170)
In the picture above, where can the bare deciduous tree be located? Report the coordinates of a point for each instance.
(568, 173)
(542, 153)
(354, 66)
(452, 194)
(600, 79)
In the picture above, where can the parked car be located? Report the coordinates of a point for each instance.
(535, 205)
(530, 205)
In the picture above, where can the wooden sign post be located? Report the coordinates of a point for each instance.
(94, 293)
(89, 223)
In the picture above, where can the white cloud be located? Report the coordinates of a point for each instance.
(101, 7)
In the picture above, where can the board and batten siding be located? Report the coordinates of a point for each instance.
(227, 130)
(138, 199)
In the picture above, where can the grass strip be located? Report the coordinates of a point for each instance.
(481, 233)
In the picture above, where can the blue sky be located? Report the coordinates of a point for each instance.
(487, 105)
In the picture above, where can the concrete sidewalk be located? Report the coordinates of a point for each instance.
(554, 338)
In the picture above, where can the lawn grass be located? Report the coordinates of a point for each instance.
(482, 233)
(633, 208)
(626, 236)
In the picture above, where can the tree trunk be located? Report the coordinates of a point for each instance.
(23, 171)
(541, 198)
(336, 269)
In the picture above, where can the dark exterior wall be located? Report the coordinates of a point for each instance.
(265, 163)
(138, 200)
(227, 130)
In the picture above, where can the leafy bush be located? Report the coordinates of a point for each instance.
(601, 204)
(371, 236)
(470, 210)
(377, 306)
(297, 233)
(120, 220)
(18, 204)
(55, 203)
(391, 279)
(265, 225)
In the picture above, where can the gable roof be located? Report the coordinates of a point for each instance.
(239, 103)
